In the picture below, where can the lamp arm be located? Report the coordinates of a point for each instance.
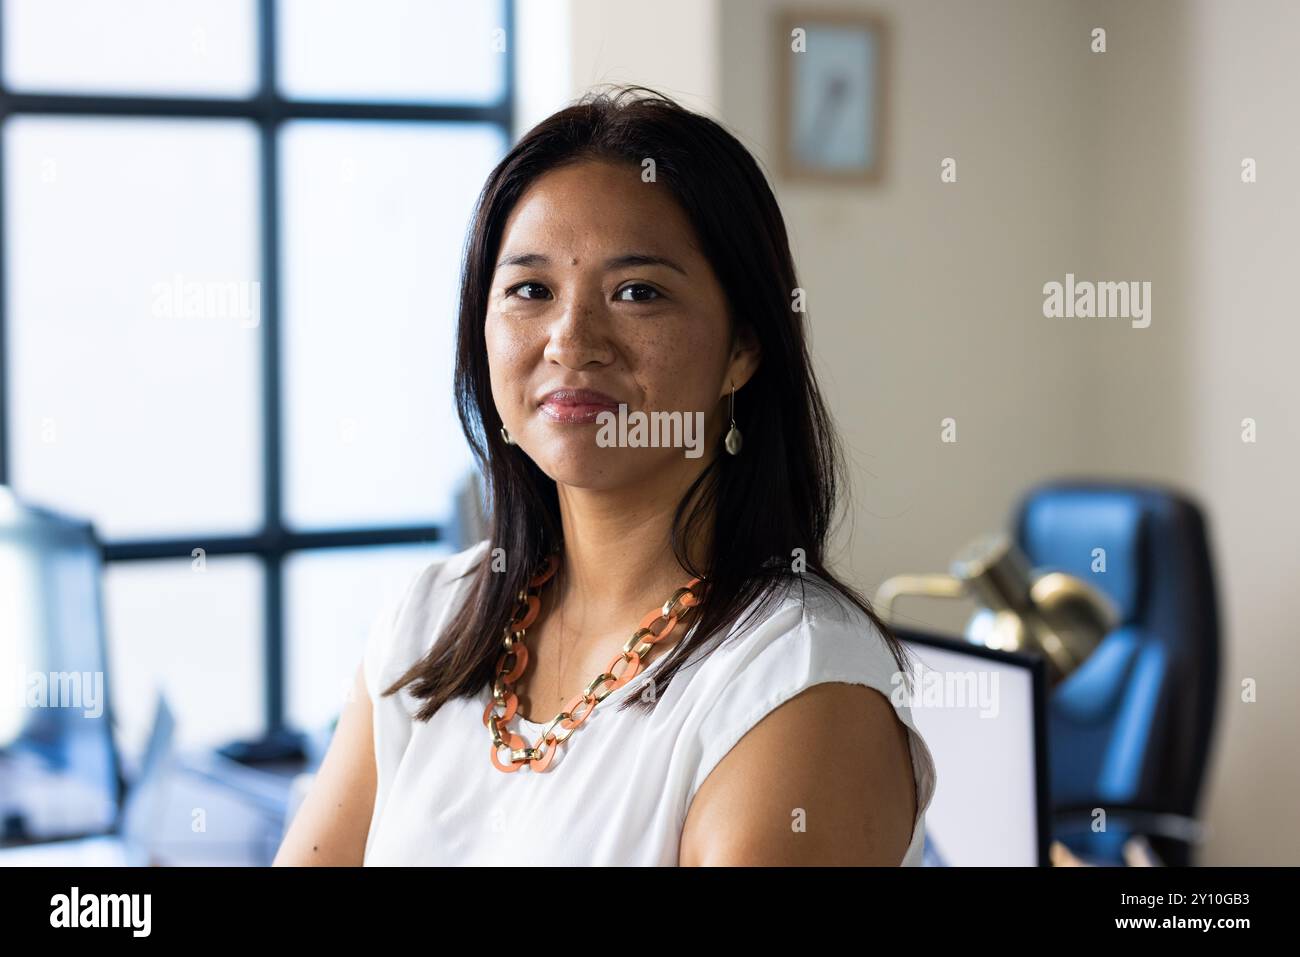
(929, 586)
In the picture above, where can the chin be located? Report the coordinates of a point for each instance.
(578, 462)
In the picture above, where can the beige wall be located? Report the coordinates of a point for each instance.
(1190, 89)
(925, 299)
(566, 47)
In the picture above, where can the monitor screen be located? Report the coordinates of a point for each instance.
(58, 767)
(980, 713)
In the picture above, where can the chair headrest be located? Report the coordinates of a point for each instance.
(1082, 532)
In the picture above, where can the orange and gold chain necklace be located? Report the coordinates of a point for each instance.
(514, 660)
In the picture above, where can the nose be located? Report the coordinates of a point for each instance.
(579, 333)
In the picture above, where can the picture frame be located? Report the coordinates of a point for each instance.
(833, 96)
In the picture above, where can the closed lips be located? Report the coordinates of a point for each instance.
(577, 405)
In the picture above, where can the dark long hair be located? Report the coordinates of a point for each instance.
(769, 507)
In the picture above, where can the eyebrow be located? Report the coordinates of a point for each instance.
(618, 262)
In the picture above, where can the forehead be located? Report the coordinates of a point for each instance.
(598, 205)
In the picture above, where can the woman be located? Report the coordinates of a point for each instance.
(647, 661)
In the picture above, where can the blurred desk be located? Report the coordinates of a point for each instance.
(205, 810)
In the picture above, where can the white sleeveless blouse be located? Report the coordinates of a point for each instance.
(617, 792)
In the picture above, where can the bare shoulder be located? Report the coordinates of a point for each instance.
(823, 779)
(333, 823)
(331, 826)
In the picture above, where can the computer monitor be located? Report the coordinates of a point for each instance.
(983, 715)
(59, 769)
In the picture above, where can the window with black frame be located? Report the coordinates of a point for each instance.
(231, 240)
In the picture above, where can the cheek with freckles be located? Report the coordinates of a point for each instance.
(513, 352)
(676, 368)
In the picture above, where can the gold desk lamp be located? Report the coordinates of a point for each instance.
(1056, 614)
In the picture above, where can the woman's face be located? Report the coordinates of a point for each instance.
(600, 286)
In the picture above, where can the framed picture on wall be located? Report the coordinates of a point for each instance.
(832, 96)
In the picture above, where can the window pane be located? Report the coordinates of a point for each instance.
(155, 47)
(192, 629)
(392, 50)
(134, 312)
(332, 599)
(373, 221)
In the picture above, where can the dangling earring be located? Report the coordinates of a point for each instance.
(732, 441)
(505, 436)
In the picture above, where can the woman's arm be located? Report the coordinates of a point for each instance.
(331, 826)
(824, 779)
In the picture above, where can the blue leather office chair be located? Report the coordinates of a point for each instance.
(1130, 731)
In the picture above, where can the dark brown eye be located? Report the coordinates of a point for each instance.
(640, 293)
(529, 290)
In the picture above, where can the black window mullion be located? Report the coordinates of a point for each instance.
(273, 556)
(5, 477)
